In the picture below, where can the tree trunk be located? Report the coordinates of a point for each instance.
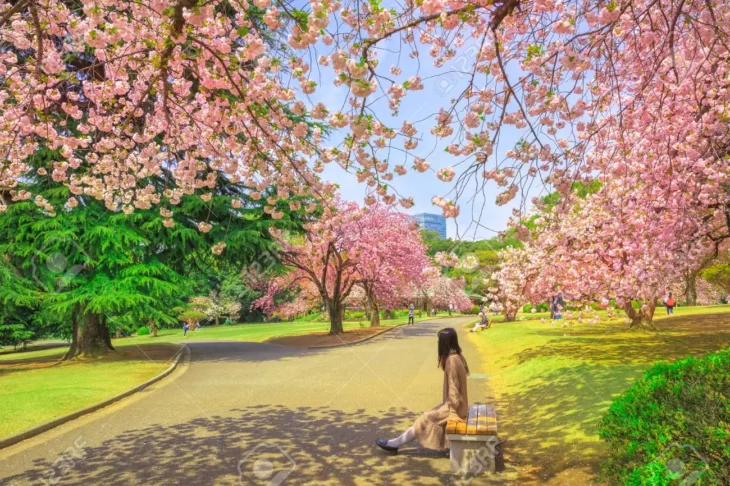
(153, 328)
(91, 336)
(510, 316)
(372, 303)
(374, 315)
(118, 333)
(691, 285)
(336, 312)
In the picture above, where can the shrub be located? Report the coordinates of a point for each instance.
(192, 317)
(672, 426)
(143, 331)
(541, 307)
(476, 309)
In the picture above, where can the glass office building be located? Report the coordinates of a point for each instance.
(431, 222)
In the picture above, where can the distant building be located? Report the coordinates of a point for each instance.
(431, 222)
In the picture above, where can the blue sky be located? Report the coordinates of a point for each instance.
(480, 217)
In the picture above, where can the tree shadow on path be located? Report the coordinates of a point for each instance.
(303, 445)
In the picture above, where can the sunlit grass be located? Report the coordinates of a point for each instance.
(552, 384)
(31, 397)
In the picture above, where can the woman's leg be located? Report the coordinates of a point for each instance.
(405, 438)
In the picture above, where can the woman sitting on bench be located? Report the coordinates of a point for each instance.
(430, 428)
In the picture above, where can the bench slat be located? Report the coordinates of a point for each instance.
(471, 424)
(491, 420)
(482, 420)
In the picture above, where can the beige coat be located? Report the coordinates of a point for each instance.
(431, 426)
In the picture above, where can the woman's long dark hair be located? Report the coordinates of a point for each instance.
(448, 341)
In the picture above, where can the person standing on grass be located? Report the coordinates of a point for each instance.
(186, 328)
(670, 303)
(411, 314)
(557, 306)
(430, 428)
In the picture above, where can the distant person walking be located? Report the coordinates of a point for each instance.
(669, 302)
(430, 428)
(411, 314)
(186, 328)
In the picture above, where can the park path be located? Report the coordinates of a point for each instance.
(244, 411)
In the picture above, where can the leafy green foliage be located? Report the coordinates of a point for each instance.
(127, 269)
(192, 316)
(15, 335)
(673, 425)
(718, 274)
(143, 331)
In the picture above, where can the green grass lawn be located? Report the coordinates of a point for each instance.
(32, 354)
(552, 384)
(30, 397)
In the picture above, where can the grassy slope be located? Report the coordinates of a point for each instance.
(552, 384)
(32, 396)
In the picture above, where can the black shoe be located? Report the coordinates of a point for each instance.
(383, 444)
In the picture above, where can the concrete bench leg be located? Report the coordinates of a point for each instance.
(472, 457)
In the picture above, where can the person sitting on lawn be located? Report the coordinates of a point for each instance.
(430, 428)
(482, 324)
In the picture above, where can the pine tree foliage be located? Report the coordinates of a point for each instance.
(87, 265)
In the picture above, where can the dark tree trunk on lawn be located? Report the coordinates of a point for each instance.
(375, 315)
(373, 305)
(336, 312)
(91, 336)
(691, 285)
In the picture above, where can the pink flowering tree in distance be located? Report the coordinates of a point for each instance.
(375, 249)
(326, 257)
(436, 290)
(609, 245)
(392, 257)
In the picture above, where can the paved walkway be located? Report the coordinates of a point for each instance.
(244, 411)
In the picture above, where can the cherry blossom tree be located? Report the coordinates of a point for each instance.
(636, 90)
(606, 245)
(124, 91)
(393, 258)
(373, 248)
(326, 257)
(438, 290)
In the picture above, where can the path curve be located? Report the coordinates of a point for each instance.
(240, 409)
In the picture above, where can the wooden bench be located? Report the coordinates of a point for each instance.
(473, 444)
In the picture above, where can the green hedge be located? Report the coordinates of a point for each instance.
(541, 307)
(672, 426)
(143, 331)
